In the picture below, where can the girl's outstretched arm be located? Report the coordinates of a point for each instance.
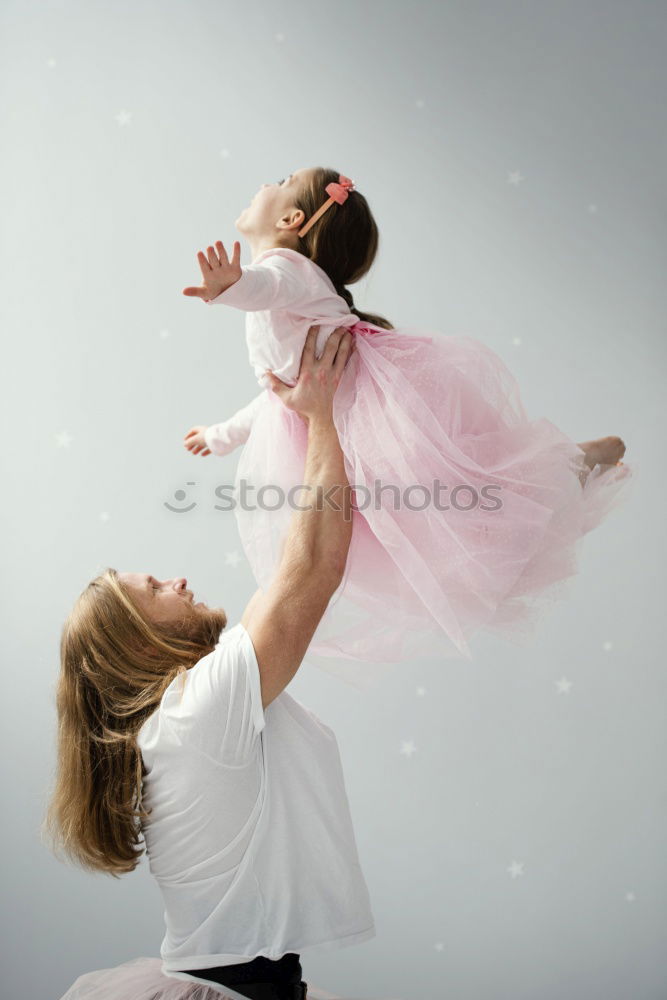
(228, 435)
(274, 283)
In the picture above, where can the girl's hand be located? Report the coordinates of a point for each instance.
(218, 271)
(194, 440)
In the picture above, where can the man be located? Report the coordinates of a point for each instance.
(247, 823)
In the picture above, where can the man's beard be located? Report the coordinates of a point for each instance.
(201, 625)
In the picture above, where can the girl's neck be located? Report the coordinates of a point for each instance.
(259, 246)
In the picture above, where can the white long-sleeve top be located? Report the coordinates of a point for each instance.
(283, 293)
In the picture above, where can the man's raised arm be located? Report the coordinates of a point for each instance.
(282, 621)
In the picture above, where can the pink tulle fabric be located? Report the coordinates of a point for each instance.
(413, 409)
(143, 979)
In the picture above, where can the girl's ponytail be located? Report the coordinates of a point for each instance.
(346, 294)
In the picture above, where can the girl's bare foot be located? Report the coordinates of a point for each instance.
(603, 451)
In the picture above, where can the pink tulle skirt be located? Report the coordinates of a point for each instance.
(143, 979)
(468, 514)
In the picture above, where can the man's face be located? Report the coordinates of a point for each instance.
(162, 601)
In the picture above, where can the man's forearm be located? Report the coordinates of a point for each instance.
(319, 537)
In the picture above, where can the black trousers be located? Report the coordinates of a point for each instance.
(260, 979)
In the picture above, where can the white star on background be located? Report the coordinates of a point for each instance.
(515, 177)
(592, 209)
(232, 559)
(225, 154)
(630, 897)
(50, 63)
(123, 117)
(421, 692)
(408, 747)
(563, 685)
(516, 341)
(607, 645)
(64, 440)
(164, 334)
(516, 869)
(439, 946)
(104, 516)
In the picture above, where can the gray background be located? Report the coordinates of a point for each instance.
(510, 813)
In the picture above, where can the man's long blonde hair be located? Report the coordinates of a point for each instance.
(115, 665)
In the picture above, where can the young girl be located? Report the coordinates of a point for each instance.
(468, 514)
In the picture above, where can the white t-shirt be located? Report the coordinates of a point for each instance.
(250, 838)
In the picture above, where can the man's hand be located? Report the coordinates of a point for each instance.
(218, 272)
(312, 396)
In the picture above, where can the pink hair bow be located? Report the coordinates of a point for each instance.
(339, 192)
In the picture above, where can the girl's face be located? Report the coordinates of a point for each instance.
(273, 204)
